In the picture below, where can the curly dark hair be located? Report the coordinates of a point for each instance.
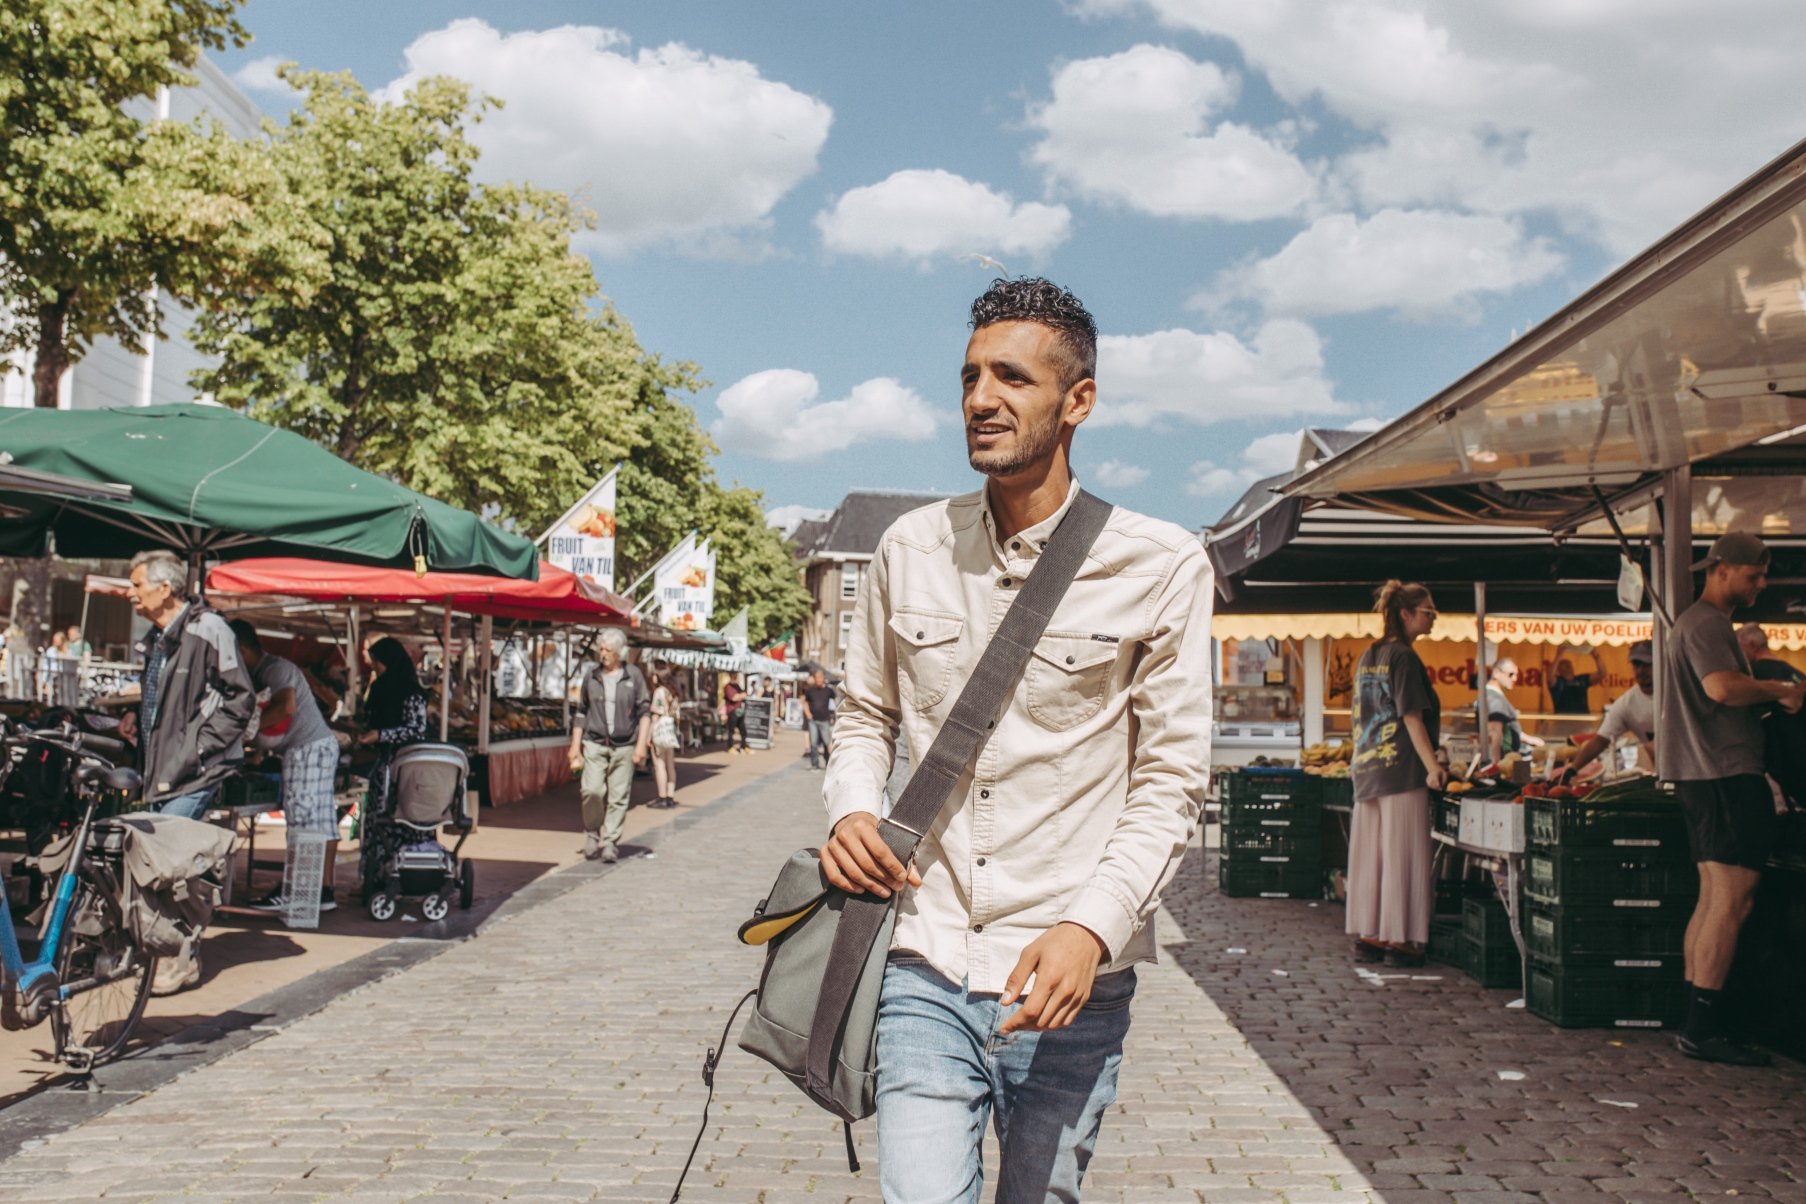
(1033, 299)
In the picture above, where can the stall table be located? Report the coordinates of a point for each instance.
(521, 769)
(1507, 870)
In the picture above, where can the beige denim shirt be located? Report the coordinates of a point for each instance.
(1084, 799)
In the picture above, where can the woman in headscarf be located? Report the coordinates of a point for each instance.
(394, 715)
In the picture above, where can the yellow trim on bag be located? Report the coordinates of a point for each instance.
(758, 932)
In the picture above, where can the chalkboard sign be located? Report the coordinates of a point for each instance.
(758, 721)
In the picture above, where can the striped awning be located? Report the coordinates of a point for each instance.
(1607, 631)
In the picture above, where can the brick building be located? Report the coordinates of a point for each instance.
(834, 553)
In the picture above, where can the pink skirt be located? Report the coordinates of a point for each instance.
(1390, 892)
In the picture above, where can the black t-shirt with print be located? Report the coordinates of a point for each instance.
(1389, 683)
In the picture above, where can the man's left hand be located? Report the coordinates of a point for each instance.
(1064, 962)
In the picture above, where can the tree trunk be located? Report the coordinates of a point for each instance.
(53, 351)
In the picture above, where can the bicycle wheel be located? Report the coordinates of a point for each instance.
(108, 978)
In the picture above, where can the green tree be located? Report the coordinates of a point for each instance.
(755, 565)
(99, 205)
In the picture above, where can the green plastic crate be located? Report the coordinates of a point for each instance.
(1335, 791)
(1600, 934)
(1270, 876)
(1606, 875)
(1445, 815)
(1645, 821)
(1446, 943)
(1306, 842)
(251, 790)
(1483, 920)
(1614, 998)
(1271, 790)
(1492, 965)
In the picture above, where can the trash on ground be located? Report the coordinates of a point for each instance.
(1616, 1103)
(1516, 1003)
(1282, 973)
(1511, 1076)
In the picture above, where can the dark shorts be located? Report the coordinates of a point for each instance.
(1729, 820)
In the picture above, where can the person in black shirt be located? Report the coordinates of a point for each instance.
(1568, 691)
(818, 702)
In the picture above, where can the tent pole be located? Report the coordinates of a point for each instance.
(486, 674)
(354, 663)
(445, 677)
(1482, 672)
(1674, 561)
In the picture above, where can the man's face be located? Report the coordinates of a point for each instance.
(148, 598)
(1012, 397)
(1645, 675)
(75, 633)
(1744, 582)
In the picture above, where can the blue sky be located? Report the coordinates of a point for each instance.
(1297, 212)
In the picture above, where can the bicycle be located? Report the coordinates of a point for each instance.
(90, 978)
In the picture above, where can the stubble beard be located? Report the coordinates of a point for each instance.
(1034, 444)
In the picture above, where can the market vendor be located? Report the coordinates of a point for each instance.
(293, 727)
(1632, 714)
(1712, 750)
(1504, 730)
(1569, 692)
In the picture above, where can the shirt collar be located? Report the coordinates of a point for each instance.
(1034, 538)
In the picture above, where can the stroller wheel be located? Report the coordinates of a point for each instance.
(381, 905)
(467, 885)
(435, 907)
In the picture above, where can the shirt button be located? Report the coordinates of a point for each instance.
(921, 635)
(1069, 660)
(1015, 547)
(981, 861)
(984, 794)
(1005, 582)
(978, 928)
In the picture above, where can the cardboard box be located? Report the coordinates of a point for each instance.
(1473, 822)
(1504, 827)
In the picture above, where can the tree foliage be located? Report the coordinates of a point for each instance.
(456, 342)
(99, 201)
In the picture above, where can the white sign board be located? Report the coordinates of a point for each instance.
(583, 541)
(685, 586)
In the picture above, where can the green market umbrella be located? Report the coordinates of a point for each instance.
(209, 482)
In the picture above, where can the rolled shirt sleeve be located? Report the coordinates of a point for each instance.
(1170, 698)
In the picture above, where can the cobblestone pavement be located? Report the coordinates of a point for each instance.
(556, 1057)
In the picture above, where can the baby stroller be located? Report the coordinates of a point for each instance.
(403, 856)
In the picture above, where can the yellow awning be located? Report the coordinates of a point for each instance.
(1500, 629)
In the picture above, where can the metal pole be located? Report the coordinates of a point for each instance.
(1482, 672)
(354, 663)
(1674, 561)
(486, 672)
(445, 678)
(1313, 690)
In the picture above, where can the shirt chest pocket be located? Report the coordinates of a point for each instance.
(927, 645)
(1068, 677)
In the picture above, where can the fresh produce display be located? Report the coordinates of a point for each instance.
(1328, 760)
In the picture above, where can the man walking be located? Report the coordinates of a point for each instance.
(818, 699)
(1032, 896)
(733, 706)
(1711, 748)
(195, 711)
(613, 734)
(293, 727)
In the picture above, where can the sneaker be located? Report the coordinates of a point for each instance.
(278, 901)
(592, 854)
(1367, 953)
(326, 901)
(175, 974)
(1404, 957)
(610, 854)
(1722, 1049)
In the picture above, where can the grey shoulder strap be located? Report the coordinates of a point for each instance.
(956, 746)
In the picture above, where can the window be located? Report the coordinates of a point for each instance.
(846, 628)
(849, 580)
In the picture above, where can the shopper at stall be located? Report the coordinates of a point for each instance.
(733, 707)
(664, 736)
(1712, 750)
(21, 662)
(1569, 692)
(818, 701)
(1764, 664)
(1397, 726)
(1784, 733)
(195, 712)
(1633, 714)
(79, 647)
(394, 715)
(1505, 730)
(613, 733)
(292, 727)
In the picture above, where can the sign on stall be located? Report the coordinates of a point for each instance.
(684, 584)
(583, 541)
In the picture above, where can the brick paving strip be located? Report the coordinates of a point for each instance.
(556, 1056)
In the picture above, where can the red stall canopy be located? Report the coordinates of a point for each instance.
(558, 596)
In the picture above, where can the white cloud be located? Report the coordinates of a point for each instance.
(1206, 378)
(666, 145)
(1211, 480)
(1114, 474)
(259, 75)
(1272, 454)
(775, 415)
(788, 518)
(1613, 115)
(1418, 263)
(1134, 129)
(924, 215)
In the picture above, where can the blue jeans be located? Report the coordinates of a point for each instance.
(942, 1068)
(190, 806)
(818, 737)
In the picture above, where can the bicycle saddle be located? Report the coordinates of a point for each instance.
(125, 780)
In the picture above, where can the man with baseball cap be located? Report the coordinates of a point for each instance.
(1711, 748)
(1633, 714)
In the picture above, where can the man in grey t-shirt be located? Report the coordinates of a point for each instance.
(1710, 746)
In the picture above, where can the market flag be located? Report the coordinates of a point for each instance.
(734, 631)
(583, 541)
(676, 584)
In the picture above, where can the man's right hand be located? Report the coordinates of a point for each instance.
(857, 860)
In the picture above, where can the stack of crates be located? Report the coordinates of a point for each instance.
(1609, 886)
(1489, 954)
(1272, 835)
